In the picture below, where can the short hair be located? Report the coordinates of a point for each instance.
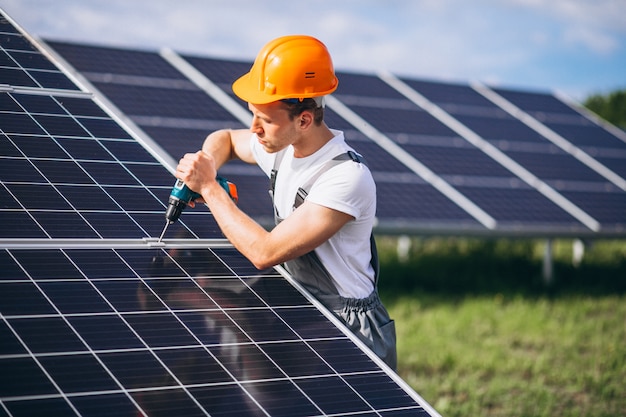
(295, 107)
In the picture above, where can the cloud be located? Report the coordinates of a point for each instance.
(528, 42)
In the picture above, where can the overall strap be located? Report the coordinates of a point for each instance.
(304, 190)
(279, 158)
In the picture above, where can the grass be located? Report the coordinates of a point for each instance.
(514, 347)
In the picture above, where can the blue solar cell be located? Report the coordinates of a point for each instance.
(614, 162)
(403, 121)
(275, 292)
(35, 333)
(609, 208)
(220, 71)
(178, 141)
(84, 149)
(225, 400)
(20, 124)
(501, 128)
(193, 366)
(151, 175)
(41, 407)
(62, 172)
(136, 369)
(20, 224)
(14, 41)
(7, 103)
(262, 325)
(164, 102)
(78, 373)
(37, 147)
(213, 328)
(129, 295)
(332, 395)
(180, 294)
(81, 107)
(296, 359)
(52, 80)
(32, 196)
(10, 270)
(127, 150)
(103, 128)
(160, 330)
(282, 399)
(7, 202)
(23, 377)
(17, 77)
(74, 297)
(98, 199)
(443, 93)
(308, 323)
(105, 332)
(416, 201)
(365, 85)
(121, 225)
(109, 173)
(381, 392)
(115, 61)
(38, 104)
(555, 166)
(14, 296)
(587, 135)
(60, 126)
(10, 344)
(466, 161)
(64, 225)
(103, 405)
(535, 101)
(519, 206)
(32, 60)
(168, 402)
(240, 265)
(46, 264)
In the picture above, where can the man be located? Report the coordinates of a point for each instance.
(324, 210)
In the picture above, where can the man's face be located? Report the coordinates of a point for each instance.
(272, 126)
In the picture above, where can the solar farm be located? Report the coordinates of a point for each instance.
(97, 318)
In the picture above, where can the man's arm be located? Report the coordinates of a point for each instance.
(305, 229)
(224, 145)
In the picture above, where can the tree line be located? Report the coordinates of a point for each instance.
(611, 107)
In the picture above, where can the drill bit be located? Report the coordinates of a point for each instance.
(167, 223)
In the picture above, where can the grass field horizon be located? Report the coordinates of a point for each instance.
(481, 334)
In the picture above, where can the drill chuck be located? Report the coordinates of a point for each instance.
(181, 195)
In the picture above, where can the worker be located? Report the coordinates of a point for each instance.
(323, 193)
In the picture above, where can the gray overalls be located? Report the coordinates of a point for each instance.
(367, 318)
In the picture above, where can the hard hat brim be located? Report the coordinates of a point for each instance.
(247, 89)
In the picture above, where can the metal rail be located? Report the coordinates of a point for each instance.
(144, 243)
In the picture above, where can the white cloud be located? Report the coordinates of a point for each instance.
(521, 41)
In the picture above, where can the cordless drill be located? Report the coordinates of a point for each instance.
(181, 195)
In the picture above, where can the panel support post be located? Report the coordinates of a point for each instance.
(548, 269)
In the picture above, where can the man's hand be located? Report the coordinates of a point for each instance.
(197, 171)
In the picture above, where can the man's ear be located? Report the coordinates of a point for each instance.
(305, 119)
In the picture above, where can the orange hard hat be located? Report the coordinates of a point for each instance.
(296, 66)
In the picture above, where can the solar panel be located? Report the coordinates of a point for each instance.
(173, 111)
(508, 178)
(96, 318)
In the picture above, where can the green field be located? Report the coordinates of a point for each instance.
(480, 333)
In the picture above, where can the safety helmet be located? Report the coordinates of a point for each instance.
(296, 66)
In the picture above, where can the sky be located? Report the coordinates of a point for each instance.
(571, 47)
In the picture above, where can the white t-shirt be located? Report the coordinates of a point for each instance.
(347, 187)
